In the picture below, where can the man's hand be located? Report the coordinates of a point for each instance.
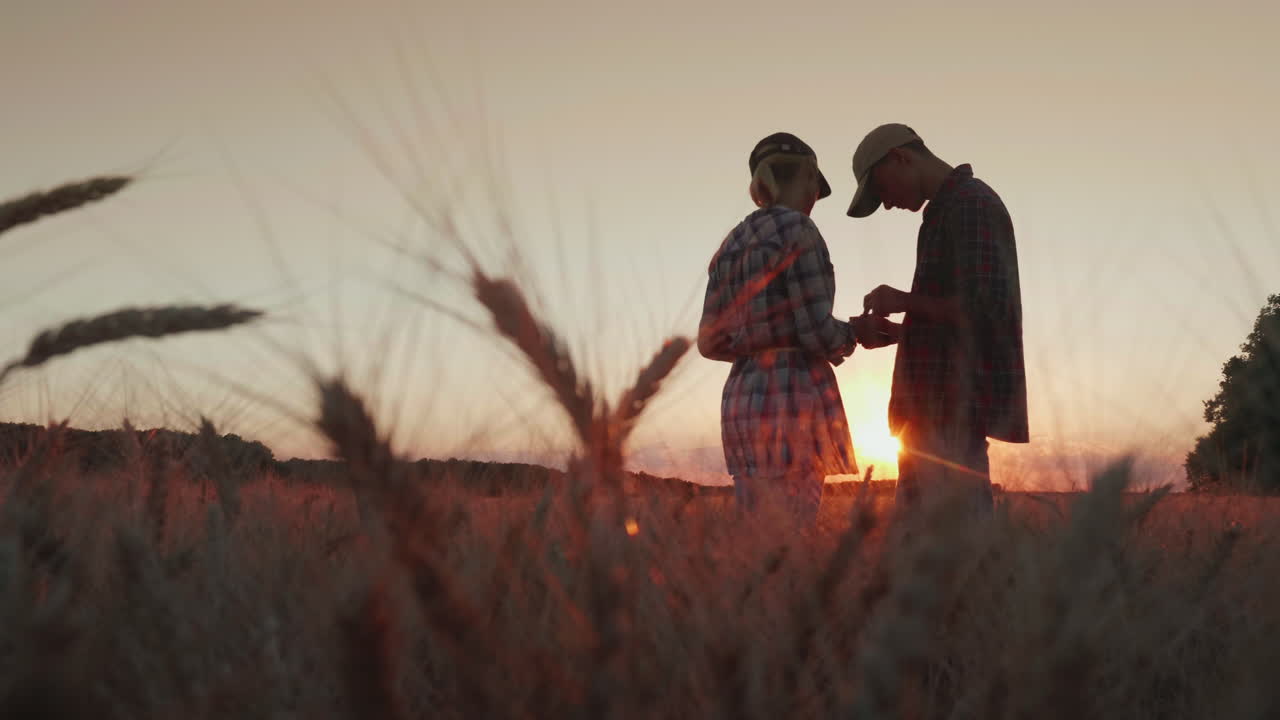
(885, 300)
(874, 331)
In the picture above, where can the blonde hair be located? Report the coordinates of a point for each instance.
(777, 173)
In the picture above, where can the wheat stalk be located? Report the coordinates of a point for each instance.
(32, 207)
(405, 520)
(156, 502)
(602, 435)
(372, 643)
(128, 323)
(216, 468)
(133, 459)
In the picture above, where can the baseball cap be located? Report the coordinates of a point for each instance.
(870, 151)
(781, 142)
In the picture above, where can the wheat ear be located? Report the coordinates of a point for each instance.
(32, 207)
(545, 351)
(349, 426)
(637, 397)
(128, 323)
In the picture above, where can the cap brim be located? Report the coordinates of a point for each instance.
(825, 187)
(865, 200)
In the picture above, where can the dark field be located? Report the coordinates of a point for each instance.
(176, 592)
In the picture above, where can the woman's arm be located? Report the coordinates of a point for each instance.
(810, 281)
(713, 341)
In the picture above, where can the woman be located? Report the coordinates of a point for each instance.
(767, 310)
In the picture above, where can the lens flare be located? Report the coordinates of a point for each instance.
(875, 446)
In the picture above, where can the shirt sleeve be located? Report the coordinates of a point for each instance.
(713, 337)
(811, 289)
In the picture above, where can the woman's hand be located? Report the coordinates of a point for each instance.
(874, 331)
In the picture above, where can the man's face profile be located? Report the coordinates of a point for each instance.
(896, 183)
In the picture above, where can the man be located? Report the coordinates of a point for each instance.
(959, 377)
(770, 290)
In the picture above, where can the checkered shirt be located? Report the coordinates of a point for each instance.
(945, 375)
(767, 310)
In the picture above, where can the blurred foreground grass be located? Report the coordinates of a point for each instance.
(140, 593)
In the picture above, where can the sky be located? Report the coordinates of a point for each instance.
(288, 155)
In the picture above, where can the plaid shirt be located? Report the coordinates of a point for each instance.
(974, 374)
(767, 310)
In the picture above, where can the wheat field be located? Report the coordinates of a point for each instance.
(162, 589)
(145, 593)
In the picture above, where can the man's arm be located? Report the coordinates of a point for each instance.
(986, 261)
(886, 300)
(981, 234)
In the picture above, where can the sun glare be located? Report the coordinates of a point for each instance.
(875, 446)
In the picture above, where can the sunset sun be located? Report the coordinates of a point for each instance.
(875, 446)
